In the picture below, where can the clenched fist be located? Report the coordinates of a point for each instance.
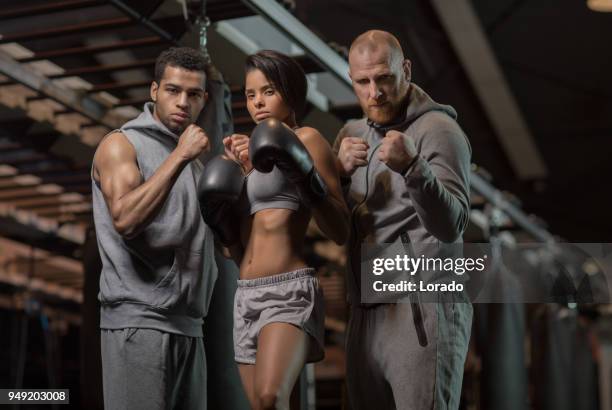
(397, 151)
(192, 142)
(237, 148)
(353, 153)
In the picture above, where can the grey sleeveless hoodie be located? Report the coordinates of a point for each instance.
(162, 278)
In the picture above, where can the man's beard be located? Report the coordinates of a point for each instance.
(391, 112)
(382, 115)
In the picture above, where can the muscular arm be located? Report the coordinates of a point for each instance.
(331, 214)
(132, 202)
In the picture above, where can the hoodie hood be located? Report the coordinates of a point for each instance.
(147, 123)
(419, 103)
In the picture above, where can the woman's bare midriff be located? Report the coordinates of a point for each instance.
(275, 242)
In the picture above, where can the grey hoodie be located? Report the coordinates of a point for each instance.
(162, 278)
(427, 205)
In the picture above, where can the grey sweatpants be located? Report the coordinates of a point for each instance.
(389, 367)
(149, 369)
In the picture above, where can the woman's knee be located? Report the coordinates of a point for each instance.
(271, 398)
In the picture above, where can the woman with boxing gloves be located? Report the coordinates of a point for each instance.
(290, 177)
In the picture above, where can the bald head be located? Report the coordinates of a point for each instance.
(377, 43)
(380, 75)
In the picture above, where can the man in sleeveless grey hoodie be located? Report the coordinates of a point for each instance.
(405, 173)
(156, 251)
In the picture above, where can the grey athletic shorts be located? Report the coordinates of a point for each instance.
(292, 297)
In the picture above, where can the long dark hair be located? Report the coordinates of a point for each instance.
(285, 74)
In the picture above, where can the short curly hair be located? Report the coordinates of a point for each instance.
(182, 57)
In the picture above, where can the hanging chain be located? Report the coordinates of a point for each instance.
(203, 22)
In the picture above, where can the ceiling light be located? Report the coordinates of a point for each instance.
(600, 5)
(27, 179)
(7, 170)
(49, 189)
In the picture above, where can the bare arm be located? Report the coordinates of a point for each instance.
(132, 202)
(331, 214)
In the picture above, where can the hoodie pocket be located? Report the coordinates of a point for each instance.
(180, 288)
(165, 293)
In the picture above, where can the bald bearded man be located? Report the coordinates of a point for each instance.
(405, 173)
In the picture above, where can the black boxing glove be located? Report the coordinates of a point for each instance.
(219, 188)
(273, 143)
